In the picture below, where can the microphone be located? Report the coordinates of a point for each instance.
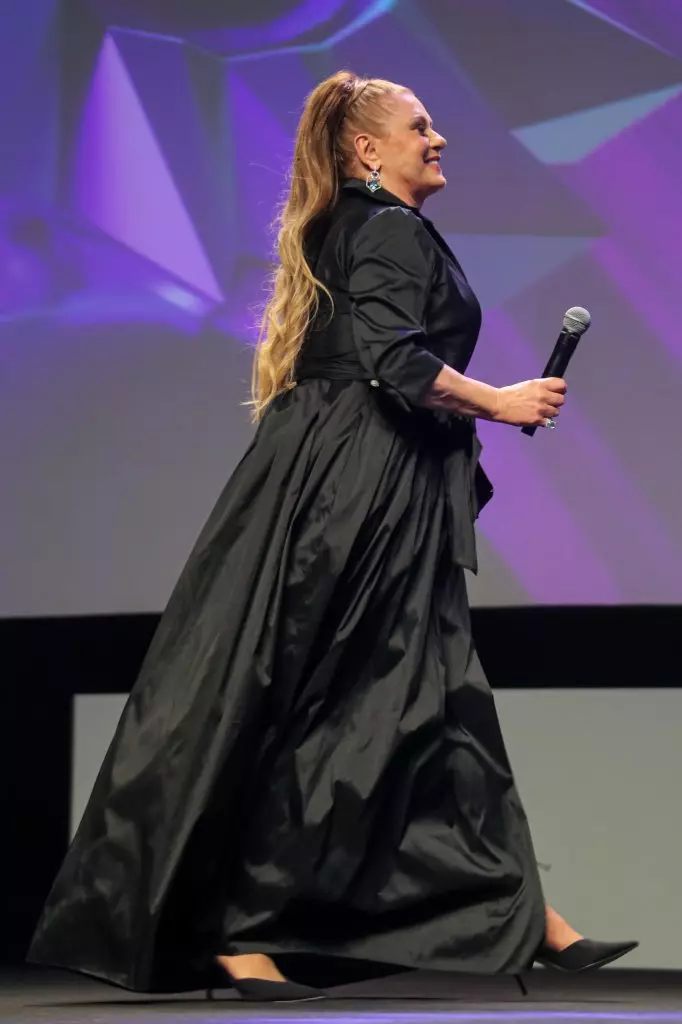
(576, 322)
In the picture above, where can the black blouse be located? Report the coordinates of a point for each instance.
(402, 304)
(402, 308)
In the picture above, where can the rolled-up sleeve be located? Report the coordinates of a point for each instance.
(389, 280)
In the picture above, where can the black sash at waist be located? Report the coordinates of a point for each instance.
(344, 366)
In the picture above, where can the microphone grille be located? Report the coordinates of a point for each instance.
(577, 320)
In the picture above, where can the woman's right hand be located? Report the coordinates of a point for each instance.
(530, 403)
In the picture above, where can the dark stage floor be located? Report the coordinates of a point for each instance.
(45, 997)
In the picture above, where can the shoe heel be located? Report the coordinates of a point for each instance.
(258, 989)
(522, 985)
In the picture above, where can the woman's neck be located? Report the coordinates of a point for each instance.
(397, 189)
(402, 192)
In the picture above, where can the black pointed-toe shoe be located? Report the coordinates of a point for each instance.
(258, 990)
(584, 955)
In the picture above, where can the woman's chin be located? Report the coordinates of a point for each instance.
(437, 182)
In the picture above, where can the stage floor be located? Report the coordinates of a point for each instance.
(46, 997)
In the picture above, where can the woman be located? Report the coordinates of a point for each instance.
(310, 761)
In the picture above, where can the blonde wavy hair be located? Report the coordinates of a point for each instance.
(337, 110)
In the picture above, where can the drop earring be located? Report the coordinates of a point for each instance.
(373, 180)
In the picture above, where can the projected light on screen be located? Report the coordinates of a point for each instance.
(139, 179)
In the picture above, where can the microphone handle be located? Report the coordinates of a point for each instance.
(557, 363)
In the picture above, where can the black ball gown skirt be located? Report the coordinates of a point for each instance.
(310, 761)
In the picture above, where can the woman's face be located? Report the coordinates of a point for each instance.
(407, 153)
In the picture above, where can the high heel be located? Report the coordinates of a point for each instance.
(261, 991)
(584, 955)
(257, 990)
(522, 985)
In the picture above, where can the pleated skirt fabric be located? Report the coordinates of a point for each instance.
(310, 760)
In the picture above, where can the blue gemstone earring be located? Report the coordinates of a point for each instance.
(373, 180)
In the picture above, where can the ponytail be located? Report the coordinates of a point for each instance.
(334, 112)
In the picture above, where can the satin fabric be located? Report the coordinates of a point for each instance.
(310, 760)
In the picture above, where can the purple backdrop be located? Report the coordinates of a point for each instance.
(144, 153)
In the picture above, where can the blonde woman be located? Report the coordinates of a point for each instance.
(310, 761)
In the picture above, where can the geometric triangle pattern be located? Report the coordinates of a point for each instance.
(501, 266)
(122, 183)
(190, 148)
(146, 148)
(574, 136)
(535, 60)
(657, 24)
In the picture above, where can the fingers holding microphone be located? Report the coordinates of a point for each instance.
(576, 321)
(555, 399)
(531, 403)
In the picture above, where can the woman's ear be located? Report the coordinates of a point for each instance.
(366, 151)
